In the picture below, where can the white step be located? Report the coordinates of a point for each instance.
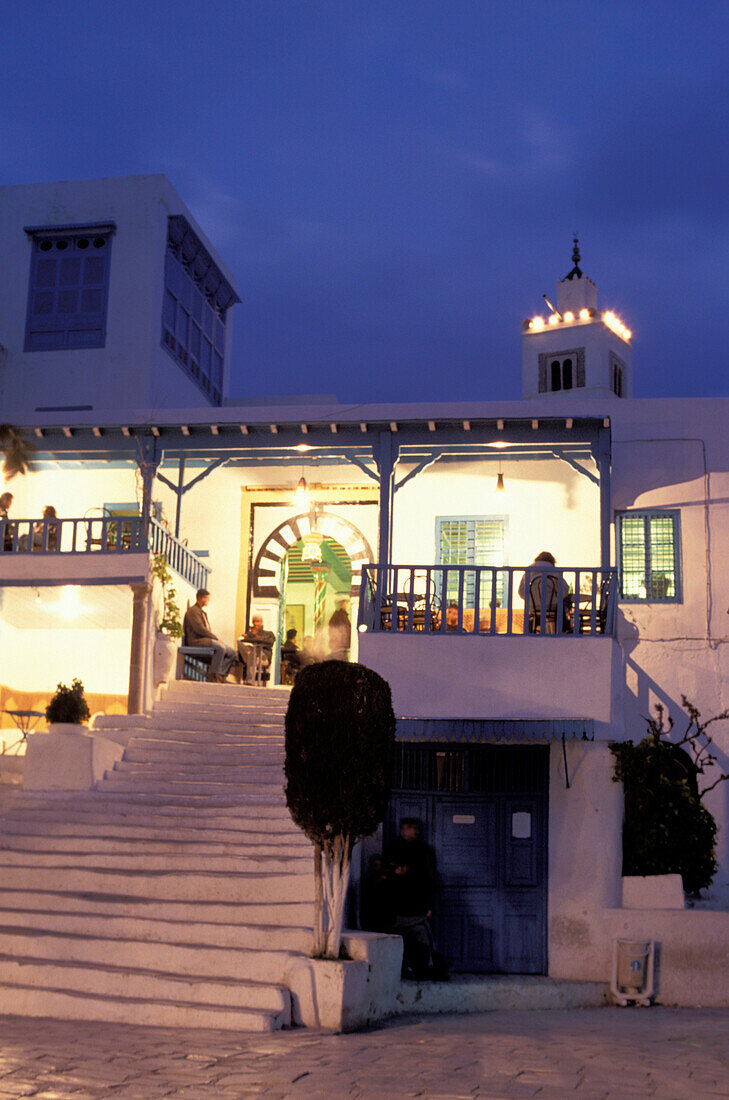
(187, 960)
(295, 844)
(175, 768)
(107, 978)
(119, 833)
(165, 885)
(110, 904)
(99, 925)
(181, 880)
(23, 1000)
(117, 781)
(281, 864)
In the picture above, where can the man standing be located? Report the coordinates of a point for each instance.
(197, 632)
(255, 649)
(340, 633)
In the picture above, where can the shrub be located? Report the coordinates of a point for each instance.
(170, 623)
(667, 828)
(68, 705)
(340, 738)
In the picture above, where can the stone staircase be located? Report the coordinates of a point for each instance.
(179, 891)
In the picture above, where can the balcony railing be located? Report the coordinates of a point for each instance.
(103, 535)
(179, 558)
(488, 600)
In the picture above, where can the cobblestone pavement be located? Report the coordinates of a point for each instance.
(667, 1053)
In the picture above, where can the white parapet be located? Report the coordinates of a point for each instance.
(68, 758)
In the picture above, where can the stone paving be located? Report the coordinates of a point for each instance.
(592, 1054)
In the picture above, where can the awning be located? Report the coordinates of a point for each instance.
(486, 730)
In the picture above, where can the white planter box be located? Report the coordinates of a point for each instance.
(653, 892)
(344, 995)
(68, 758)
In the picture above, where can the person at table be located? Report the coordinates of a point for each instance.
(6, 499)
(256, 641)
(452, 618)
(49, 513)
(197, 632)
(539, 572)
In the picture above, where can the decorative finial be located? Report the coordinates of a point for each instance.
(575, 273)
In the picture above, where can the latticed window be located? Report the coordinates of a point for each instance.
(649, 554)
(197, 297)
(472, 540)
(69, 279)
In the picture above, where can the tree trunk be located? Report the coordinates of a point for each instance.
(336, 880)
(319, 938)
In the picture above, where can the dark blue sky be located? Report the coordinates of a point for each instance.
(395, 184)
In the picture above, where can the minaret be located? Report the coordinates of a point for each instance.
(575, 347)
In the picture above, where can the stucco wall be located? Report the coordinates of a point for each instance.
(499, 677)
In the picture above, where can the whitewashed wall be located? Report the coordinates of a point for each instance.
(133, 364)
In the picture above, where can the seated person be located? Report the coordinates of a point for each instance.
(255, 643)
(451, 618)
(6, 499)
(49, 513)
(538, 572)
(290, 653)
(197, 632)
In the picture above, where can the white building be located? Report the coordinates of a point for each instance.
(504, 725)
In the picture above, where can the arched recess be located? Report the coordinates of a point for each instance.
(267, 567)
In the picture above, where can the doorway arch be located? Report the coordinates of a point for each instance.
(267, 566)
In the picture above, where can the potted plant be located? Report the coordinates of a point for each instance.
(169, 623)
(340, 742)
(68, 757)
(68, 708)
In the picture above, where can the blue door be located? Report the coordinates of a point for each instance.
(490, 848)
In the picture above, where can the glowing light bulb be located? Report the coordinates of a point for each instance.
(584, 315)
(628, 334)
(537, 322)
(569, 315)
(553, 318)
(301, 496)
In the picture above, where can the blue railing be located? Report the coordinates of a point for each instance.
(488, 600)
(100, 534)
(179, 558)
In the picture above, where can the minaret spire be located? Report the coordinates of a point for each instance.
(575, 273)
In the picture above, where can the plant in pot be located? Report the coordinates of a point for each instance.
(68, 708)
(169, 622)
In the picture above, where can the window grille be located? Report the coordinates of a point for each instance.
(197, 297)
(472, 540)
(649, 549)
(69, 282)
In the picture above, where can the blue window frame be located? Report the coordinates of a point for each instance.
(471, 540)
(649, 556)
(69, 286)
(196, 299)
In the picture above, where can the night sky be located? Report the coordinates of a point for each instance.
(394, 185)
